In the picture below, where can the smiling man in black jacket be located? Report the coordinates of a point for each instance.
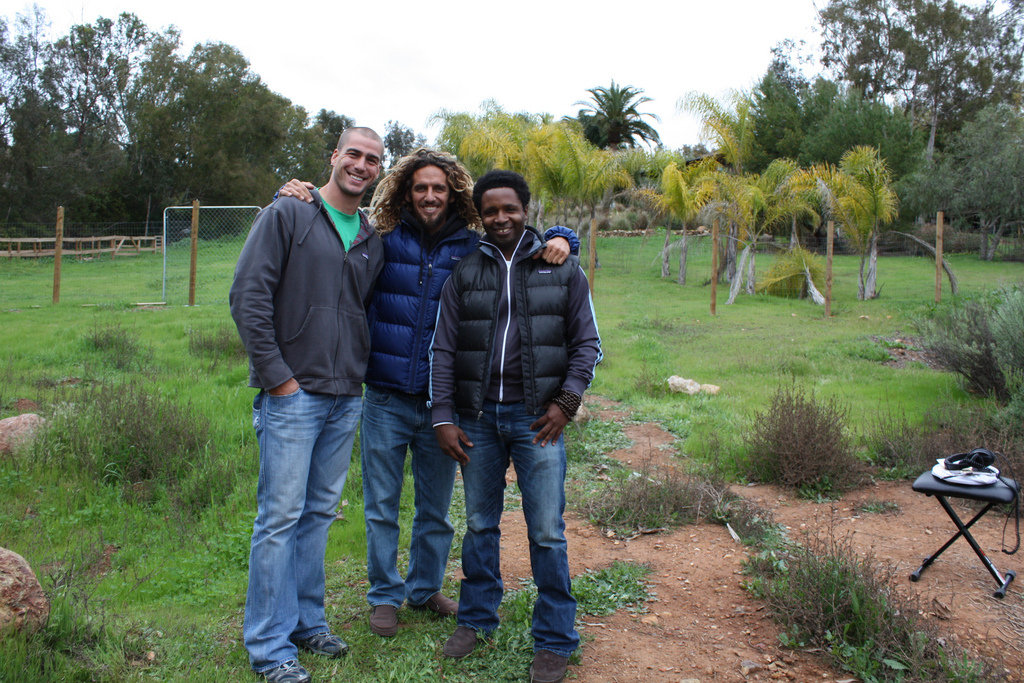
(299, 297)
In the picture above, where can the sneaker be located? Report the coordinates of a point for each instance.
(547, 667)
(461, 643)
(439, 604)
(326, 644)
(384, 620)
(289, 672)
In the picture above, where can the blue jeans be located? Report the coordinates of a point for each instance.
(502, 433)
(394, 423)
(305, 444)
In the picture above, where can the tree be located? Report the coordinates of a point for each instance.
(611, 118)
(979, 179)
(870, 203)
(685, 190)
(399, 140)
(941, 61)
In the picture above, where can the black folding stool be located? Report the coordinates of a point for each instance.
(1002, 491)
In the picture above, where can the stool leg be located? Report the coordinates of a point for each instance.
(962, 530)
(1003, 583)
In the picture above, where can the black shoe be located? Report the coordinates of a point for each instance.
(325, 644)
(289, 672)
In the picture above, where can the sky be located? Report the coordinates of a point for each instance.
(402, 60)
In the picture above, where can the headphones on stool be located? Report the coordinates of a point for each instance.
(978, 459)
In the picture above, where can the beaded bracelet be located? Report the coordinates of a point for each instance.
(568, 402)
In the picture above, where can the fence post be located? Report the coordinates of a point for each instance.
(592, 246)
(58, 248)
(828, 269)
(714, 266)
(195, 249)
(938, 256)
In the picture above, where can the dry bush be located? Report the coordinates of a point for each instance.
(800, 441)
(830, 597)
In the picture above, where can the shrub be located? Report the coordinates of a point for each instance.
(801, 442)
(119, 347)
(127, 436)
(223, 341)
(830, 597)
(982, 340)
(786, 277)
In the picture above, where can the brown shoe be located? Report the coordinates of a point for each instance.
(461, 643)
(547, 667)
(440, 605)
(384, 620)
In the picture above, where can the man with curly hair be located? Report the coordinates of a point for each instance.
(424, 211)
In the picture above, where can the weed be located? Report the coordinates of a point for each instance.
(877, 507)
(801, 442)
(220, 342)
(636, 502)
(119, 347)
(135, 439)
(592, 440)
(828, 596)
(616, 586)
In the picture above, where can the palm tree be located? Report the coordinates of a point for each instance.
(684, 192)
(729, 126)
(611, 118)
(873, 204)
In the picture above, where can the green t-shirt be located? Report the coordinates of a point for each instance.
(346, 225)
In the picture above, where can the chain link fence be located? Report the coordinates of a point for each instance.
(221, 233)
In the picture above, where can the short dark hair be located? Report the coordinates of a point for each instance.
(362, 130)
(499, 178)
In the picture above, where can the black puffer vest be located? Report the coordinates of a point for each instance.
(542, 294)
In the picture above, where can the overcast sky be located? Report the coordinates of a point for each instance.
(405, 60)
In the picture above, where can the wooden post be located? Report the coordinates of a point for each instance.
(58, 247)
(938, 256)
(195, 249)
(592, 245)
(828, 269)
(714, 266)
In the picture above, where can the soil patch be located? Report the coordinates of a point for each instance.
(703, 626)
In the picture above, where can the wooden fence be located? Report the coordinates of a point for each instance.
(115, 245)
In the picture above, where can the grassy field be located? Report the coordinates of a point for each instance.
(149, 580)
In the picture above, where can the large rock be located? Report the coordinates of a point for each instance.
(18, 429)
(23, 605)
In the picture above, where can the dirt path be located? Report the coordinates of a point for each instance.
(703, 626)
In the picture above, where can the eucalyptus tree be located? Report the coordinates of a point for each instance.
(611, 118)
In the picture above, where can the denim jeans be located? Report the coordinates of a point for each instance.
(305, 442)
(394, 423)
(502, 433)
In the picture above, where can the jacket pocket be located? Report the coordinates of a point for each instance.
(311, 351)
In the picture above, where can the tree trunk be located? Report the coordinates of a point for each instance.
(734, 289)
(812, 291)
(954, 286)
(730, 252)
(751, 269)
(794, 238)
(538, 221)
(664, 252)
(860, 276)
(870, 291)
(683, 246)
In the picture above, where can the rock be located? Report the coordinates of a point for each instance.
(710, 389)
(681, 385)
(748, 667)
(18, 429)
(23, 605)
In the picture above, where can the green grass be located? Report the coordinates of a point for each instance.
(147, 574)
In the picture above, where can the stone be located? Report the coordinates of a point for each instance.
(710, 388)
(23, 605)
(17, 430)
(681, 385)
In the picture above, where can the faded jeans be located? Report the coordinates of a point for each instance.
(305, 442)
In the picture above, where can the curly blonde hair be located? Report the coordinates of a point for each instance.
(392, 192)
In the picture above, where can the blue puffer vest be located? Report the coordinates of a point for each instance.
(404, 306)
